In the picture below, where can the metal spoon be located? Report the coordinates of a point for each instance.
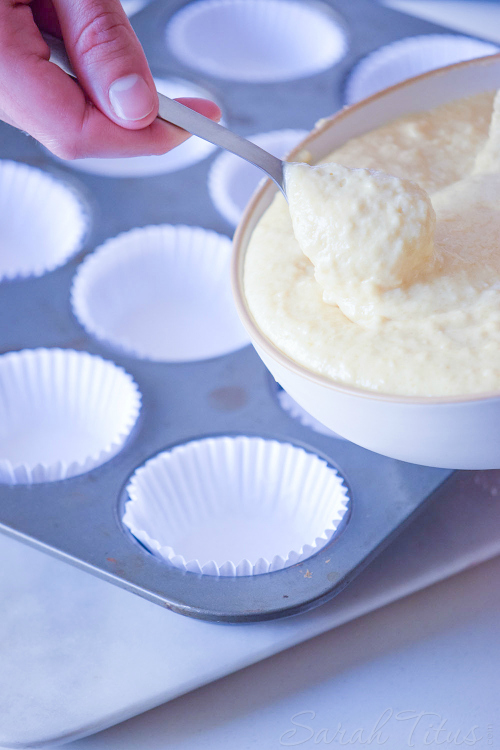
(185, 118)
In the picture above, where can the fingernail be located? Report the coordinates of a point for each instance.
(131, 97)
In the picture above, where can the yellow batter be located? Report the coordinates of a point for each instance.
(365, 232)
(427, 323)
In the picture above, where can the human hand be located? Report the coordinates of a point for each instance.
(111, 110)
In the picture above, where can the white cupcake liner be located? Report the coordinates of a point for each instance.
(232, 181)
(62, 413)
(190, 152)
(43, 222)
(235, 506)
(161, 293)
(296, 411)
(256, 40)
(410, 57)
(131, 7)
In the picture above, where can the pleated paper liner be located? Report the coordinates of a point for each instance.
(161, 293)
(131, 7)
(231, 180)
(234, 506)
(62, 413)
(190, 152)
(410, 57)
(256, 41)
(296, 411)
(43, 221)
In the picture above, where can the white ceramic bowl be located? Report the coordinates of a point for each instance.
(454, 432)
(410, 57)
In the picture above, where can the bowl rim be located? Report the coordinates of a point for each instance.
(238, 257)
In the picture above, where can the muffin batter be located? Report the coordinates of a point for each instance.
(364, 231)
(430, 327)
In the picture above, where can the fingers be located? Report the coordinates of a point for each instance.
(203, 106)
(45, 17)
(108, 60)
(42, 100)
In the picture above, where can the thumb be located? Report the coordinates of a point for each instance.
(108, 60)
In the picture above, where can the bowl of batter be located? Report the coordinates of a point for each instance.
(373, 296)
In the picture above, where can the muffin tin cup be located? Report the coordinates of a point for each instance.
(62, 413)
(256, 41)
(232, 181)
(161, 293)
(410, 57)
(43, 220)
(235, 506)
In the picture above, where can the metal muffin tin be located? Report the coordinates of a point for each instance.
(79, 519)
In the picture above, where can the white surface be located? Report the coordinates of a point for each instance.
(410, 57)
(78, 654)
(472, 17)
(425, 664)
(256, 40)
(235, 506)
(130, 289)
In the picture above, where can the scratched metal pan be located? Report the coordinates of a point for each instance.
(79, 519)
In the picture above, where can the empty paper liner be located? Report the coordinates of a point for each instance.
(191, 151)
(296, 411)
(232, 180)
(235, 506)
(256, 40)
(62, 413)
(410, 57)
(131, 7)
(161, 293)
(43, 221)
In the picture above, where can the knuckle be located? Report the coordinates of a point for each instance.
(103, 37)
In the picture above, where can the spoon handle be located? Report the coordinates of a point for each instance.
(196, 124)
